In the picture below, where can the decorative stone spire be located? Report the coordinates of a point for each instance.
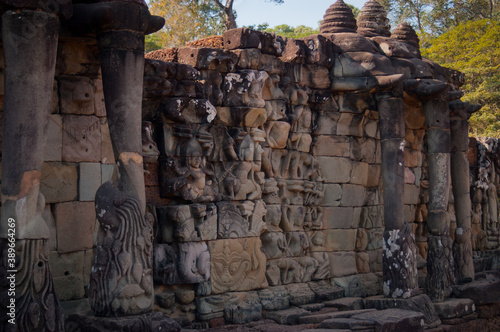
(405, 33)
(338, 18)
(373, 21)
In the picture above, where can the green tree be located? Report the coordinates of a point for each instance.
(472, 47)
(285, 30)
(185, 20)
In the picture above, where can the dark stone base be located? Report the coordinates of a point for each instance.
(420, 303)
(154, 322)
(484, 290)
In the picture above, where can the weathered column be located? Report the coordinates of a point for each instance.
(440, 275)
(30, 37)
(399, 249)
(462, 248)
(121, 281)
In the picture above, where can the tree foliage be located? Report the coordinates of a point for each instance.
(185, 20)
(472, 47)
(434, 17)
(285, 30)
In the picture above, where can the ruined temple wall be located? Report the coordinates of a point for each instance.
(311, 139)
(78, 158)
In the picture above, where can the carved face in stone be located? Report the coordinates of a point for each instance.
(194, 161)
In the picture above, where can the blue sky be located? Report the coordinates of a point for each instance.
(291, 12)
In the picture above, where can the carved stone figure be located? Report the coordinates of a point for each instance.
(121, 282)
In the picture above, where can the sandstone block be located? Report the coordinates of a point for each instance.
(371, 217)
(352, 285)
(300, 294)
(89, 181)
(287, 316)
(374, 175)
(350, 124)
(412, 194)
(375, 237)
(241, 255)
(319, 50)
(356, 64)
(360, 173)
(352, 195)
(69, 287)
(327, 122)
(107, 171)
(59, 182)
(364, 149)
(335, 169)
(295, 51)
(241, 38)
(331, 146)
(333, 194)
(342, 264)
(66, 264)
(338, 217)
(356, 102)
(208, 58)
(394, 320)
(340, 239)
(346, 303)
(75, 218)
(81, 138)
(77, 95)
(454, 308)
(318, 318)
(53, 147)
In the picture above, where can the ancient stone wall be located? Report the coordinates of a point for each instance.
(78, 159)
(263, 146)
(263, 170)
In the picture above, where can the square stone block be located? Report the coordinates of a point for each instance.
(342, 264)
(59, 182)
(69, 287)
(53, 148)
(350, 124)
(65, 264)
(331, 146)
(75, 223)
(352, 195)
(360, 173)
(77, 95)
(411, 194)
(338, 217)
(89, 181)
(81, 138)
(335, 169)
(327, 120)
(340, 239)
(237, 265)
(333, 194)
(107, 172)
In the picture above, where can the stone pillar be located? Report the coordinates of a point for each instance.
(440, 275)
(30, 47)
(121, 281)
(462, 248)
(399, 249)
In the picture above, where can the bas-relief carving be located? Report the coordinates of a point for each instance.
(237, 265)
(194, 222)
(183, 263)
(241, 220)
